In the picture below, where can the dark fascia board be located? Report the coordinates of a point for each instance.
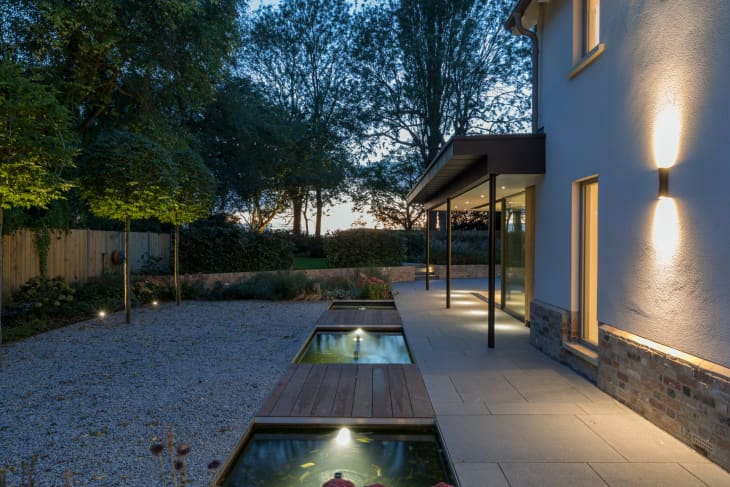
(468, 159)
(519, 8)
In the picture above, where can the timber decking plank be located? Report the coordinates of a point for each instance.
(382, 407)
(288, 397)
(308, 392)
(345, 395)
(327, 391)
(399, 396)
(276, 392)
(418, 393)
(360, 317)
(363, 399)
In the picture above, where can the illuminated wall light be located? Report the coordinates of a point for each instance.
(667, 131)
(665, 231)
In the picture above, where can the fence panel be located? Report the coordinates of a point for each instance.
(79, 254)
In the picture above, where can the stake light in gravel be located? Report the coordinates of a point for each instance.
(102, 314)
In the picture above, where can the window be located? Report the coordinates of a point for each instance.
(591, 15)
(589, 262)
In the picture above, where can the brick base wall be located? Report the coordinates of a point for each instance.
(682, 394)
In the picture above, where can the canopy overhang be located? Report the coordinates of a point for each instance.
(463, 167)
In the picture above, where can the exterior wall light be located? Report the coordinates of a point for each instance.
(663, 182)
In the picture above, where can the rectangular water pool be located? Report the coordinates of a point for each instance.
(410, 457)
(359, 346)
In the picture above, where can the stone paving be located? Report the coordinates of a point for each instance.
(511, 416)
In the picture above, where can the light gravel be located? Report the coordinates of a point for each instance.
(93, 397)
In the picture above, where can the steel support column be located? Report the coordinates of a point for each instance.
(428, 249)
(492, 256)
(448, 253)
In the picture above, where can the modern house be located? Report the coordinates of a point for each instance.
(618, 200)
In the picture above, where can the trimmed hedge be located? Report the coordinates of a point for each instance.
(362, 247)
(230, 248)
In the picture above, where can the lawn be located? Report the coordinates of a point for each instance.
(301, 263)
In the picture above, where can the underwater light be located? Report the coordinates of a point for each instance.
(344, 437)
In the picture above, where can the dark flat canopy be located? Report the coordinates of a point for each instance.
(466, 162)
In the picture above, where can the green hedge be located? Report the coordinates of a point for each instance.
(230, 248)
(364, 247)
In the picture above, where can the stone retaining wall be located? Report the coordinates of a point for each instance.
(463, 271)
(682, 394)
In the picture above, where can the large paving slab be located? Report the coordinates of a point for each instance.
(511, 416)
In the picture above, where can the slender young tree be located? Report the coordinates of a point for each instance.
(36, 145)
(127, 176)
(192, 199)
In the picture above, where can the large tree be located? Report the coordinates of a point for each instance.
(300, 50)
(436, 68)
(36, 145)
(110, 58)
(250, 144)
(127, 176)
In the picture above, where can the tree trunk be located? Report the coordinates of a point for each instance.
(176, 264)
(297, 210)
(126, 270)
(1, 281)
(318, 221)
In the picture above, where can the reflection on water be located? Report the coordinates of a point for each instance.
(310, 459)
(361, 347)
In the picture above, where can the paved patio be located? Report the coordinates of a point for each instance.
(511, 416)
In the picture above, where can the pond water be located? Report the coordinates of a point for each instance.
(356, 347)
(311, 458)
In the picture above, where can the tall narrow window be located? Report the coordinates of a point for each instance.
(591, 24)
(589, 262)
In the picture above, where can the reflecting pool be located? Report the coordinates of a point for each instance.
(309, 458)
(363, 305)
(356, 347)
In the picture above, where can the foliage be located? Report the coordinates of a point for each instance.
(301, 263)
(434, 68)
(126, 175)
(382, 188)
(415, 246)
(467, 247)
(373, 287)
(308, 246)
(249, 144)
(192, 194)
(363, 248)
(42, 296)
(215, 246)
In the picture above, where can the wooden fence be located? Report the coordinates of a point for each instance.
(79, 254)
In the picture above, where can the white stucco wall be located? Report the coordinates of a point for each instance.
(658, 53)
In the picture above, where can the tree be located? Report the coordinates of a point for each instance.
(250, 146)
(300, 51)
(126, 59)
(192, 199)
(382, 188)
(36, 145)
(127, 176)
(436, 68)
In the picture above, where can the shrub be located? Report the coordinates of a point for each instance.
(362, 247)
(42, 297)
(415, 246)
(266, 285)
(373, 287)
(308, 246)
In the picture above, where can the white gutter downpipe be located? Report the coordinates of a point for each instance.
(535, 71)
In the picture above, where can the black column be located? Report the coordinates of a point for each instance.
(492, 256)
(448, 253)
(428, 248)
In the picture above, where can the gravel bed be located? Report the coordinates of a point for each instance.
(93, 397)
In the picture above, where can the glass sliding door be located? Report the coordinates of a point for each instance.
(513, 255)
